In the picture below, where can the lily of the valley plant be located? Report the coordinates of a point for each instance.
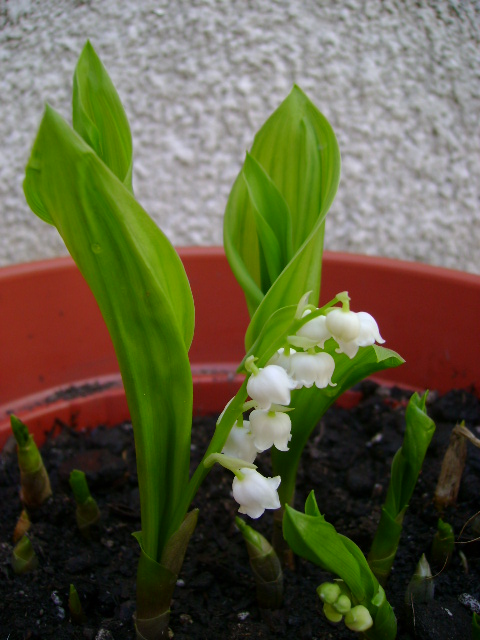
(300, 357)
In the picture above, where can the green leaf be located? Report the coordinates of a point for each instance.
(143, 293)
(297, 153)
(99, 117)
(272, 219)
(312, 538)
(406, 467)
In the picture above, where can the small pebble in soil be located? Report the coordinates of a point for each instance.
(470, 602)
(243, 615)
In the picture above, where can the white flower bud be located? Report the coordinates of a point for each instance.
(240, 443)
(314, 333)
(308, 369)
(271, 385)
(255, 493)
(280, 359)
(270, 428)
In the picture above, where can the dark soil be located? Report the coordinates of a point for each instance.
(347, 463)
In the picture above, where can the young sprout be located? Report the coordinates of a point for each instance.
(406, 467)
(443, 543)
(476, 626)
(357, 596)
(77, 613)
(34, 481)
(24, 558)
(421, 588)
(265, 565)
(22, 526)
(87, 512)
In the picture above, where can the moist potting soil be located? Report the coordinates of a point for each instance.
(346, 462)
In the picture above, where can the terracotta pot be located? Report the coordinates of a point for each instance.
(58, 362)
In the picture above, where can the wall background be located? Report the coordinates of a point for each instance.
(398, 80)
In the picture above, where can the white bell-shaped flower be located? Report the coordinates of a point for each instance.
(366, 335)
(343, 325)
(271, 385)
(255, 493)
(314, 333)
(309, 369)
(270, 428)
(369, 332)
(240, 443)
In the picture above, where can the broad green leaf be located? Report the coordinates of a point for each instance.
(99, 117)
(143, 293)
(298, 152)
(311, 404)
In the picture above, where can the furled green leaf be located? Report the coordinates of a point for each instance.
(406, 467)
(143, 293)
(295, 152)
(99, 117)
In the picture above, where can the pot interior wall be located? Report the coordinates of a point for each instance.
(58, 360)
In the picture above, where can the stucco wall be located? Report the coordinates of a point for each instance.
(399, 81)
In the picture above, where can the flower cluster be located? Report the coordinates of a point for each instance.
(303, 362)
(337, 604)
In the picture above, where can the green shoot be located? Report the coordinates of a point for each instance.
(421, 588)
(34, 481)
(87, 512)
(443, 543)
(406, 467)
(24, 558)
(476, 626)
(265, 565)
(77, 613)
(22, 526)
(311, 537)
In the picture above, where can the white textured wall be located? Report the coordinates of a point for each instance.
(399, 81)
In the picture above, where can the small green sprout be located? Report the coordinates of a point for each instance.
(24, 558)
(476, 626)
(443, 543)
(87, 512)
(265, 565)
(22, 526)
(357, 596)
(77, 613)
(34, 481)
(421, 588)
(406, 467)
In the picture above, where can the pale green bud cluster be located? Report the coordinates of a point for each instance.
(337, 604)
